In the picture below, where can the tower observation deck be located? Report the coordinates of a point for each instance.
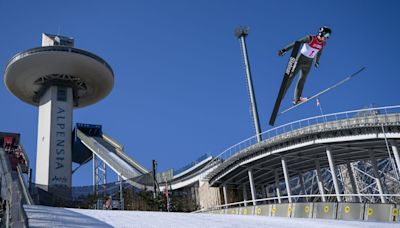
(57, 78)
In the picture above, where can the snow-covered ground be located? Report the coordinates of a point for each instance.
(42, 216)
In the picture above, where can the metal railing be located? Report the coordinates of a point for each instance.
(25, 191)
(190, 165)
(11, 194)
(339, 120)
(266, 201)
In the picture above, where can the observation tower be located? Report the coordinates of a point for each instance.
(57, 78)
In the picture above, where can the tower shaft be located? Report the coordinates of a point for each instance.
(53, 163)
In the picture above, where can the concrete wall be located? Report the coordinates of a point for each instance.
(329, 210)
(302, 210)
(249, 210)
(208, 196)
(263, 210)
(325, 210)
(281, 210)
(350, 211)
(379, 212)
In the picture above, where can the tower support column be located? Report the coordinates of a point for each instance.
(396, 155)
(333, 172)
(287, 179)
(252, 187)
(53, 162)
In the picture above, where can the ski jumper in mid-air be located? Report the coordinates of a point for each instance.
(311, 49)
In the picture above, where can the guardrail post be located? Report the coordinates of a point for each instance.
(277, 191)
(333, 172)
(252, 188)
(320, 181)
(376, 174)
(286, 175)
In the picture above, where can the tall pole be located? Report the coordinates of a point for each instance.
(166, 194)
(154, 168)
(241, 34)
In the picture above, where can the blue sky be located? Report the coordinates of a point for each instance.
(180, 88)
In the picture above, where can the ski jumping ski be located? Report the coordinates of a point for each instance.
(324, 91)
(288, 73)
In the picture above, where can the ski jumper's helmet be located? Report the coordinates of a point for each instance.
(324, 32)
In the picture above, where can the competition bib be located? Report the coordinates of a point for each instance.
(312, 48)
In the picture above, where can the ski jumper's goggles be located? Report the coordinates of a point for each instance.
(326, 35)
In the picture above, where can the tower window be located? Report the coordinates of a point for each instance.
(61, 94)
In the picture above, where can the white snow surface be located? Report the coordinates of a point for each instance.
(42, 216)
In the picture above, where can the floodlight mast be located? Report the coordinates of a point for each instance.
(241, 33)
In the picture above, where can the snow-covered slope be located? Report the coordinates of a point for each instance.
(42, 216)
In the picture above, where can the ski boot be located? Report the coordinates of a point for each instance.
(299, 100)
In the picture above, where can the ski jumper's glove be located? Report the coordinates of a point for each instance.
(316, 64)
(281, 52)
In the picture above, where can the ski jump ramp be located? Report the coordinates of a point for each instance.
(91, 143)
(110, 152)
